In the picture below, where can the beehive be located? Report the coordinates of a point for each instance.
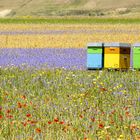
(95, 56)
(117, 55)
(136, 55)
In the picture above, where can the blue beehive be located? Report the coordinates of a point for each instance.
(95, 56)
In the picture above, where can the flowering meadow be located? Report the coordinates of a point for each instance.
(69, 104)
(70, 58)
(47, 93)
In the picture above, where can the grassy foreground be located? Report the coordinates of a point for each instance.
(64, 105)
(70, 20)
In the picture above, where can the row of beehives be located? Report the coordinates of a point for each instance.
(113, 55)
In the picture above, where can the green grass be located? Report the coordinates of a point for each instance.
(71, 20)
(64, 105)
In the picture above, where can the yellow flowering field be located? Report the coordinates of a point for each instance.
(14, 27)
(68, 36)
(62, 41)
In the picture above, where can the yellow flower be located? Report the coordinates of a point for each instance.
(121, 136)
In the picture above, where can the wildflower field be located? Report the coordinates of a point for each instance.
(46, 92)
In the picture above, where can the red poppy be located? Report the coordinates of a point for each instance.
(56, 120)
(101, 125)
(23, 97)
(112, 122)
(113, 112)
(127, 114)
(126, 108)
(28, 121)
(25, 105)
(9, 116)
(121, 117)
(28, 115)
(38, 130)
(19, 105)
(81, 116)
(33, 122)
(12, 122)
(8, 111)
(93, 119)
(65, 129)
(24, 123)
(133, 126)
(113, 104)
(49, 122)
(1, 116)
(103, 113)
(103, 89)
(61, 122)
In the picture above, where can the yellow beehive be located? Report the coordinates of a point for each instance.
(117, 55)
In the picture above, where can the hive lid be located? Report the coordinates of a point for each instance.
(95, 44)
(116, 44)
(136, 45)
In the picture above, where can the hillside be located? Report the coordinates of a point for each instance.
(69, 7)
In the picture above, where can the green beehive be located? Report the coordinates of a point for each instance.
(136, 56)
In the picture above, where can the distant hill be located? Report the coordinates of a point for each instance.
(68, 7)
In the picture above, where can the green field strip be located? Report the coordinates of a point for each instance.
(63, 20)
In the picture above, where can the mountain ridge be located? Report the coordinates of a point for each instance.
(69, 7)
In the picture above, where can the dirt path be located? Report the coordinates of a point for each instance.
(5, 12)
